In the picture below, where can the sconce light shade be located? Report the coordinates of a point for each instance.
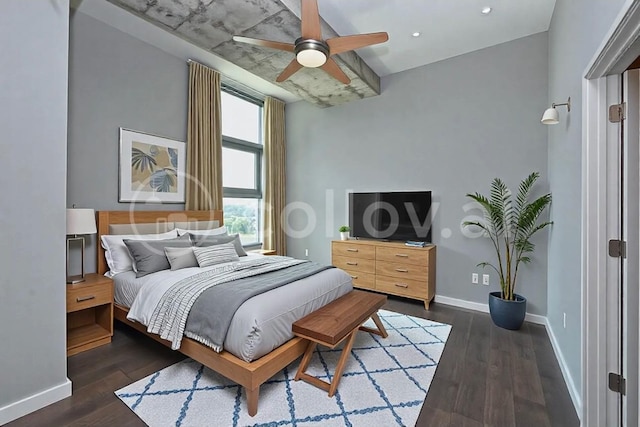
(81, 221)
(550, 117)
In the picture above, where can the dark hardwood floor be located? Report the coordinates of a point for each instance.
(487, 376)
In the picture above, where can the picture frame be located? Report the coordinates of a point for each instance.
(151, 168)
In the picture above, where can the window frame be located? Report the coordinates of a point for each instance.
(247, 147)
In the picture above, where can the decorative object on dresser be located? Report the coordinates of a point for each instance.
(152, 168)
(388, 267)
(344, 232)
(79, 222)
(89, 313)
(510, 224)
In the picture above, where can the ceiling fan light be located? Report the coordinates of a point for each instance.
(311, 58)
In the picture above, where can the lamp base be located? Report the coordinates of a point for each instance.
(75, 279)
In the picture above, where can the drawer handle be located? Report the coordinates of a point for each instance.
(351, 250)
(352, 263)
(402, 270)
(90, 297)
(354, 277)
(402, 255)
(402, 285)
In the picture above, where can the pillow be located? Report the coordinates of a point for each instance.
(148, 255)
(218, 254)
(204, 241)
(181, 257)
(117, 255)
(212, 232)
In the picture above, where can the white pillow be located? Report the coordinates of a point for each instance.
(118, 257)
(213, 232)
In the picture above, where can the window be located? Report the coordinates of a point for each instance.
(242, 165)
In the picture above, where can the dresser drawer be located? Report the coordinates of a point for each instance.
(362, 280)
(89, 296)
(402, 270)
(402, 287)
(403, 255)
(354, 264)
(353, 250)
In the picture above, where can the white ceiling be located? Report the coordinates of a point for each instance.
(448, 27)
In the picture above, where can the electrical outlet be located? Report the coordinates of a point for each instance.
(485, 279)
(474, 278)
(564, 320)
(306, 252)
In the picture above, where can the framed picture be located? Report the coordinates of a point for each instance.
(152, 168)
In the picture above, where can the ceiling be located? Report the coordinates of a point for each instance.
(448, 28)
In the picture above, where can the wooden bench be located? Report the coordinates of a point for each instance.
(332, 324)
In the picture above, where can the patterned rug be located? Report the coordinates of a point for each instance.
(385, 382)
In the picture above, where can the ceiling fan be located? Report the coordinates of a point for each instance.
(312, 50)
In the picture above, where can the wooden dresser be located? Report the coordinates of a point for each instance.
(388, 267)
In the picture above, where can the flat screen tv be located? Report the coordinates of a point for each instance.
(398, 215)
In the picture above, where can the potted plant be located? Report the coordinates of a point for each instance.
(510, 224)
(344, 232)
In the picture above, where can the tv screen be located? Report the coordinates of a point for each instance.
(398, 215)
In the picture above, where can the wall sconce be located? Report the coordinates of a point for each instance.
(550, 116)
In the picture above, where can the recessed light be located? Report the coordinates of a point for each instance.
(486, 10)
(416, 34)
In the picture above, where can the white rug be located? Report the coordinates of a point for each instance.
(384, 383)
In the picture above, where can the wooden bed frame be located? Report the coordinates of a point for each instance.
(250, 375)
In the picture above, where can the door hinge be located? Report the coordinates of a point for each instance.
(617, 383)
(617, 248)
(617, 112)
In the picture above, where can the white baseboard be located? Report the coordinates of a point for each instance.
(568, 379)
(30, 404)
(533, 318)
(484, 308)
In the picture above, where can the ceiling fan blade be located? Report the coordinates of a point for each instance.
(334, 71)
(265, 43)
(310, 20)
(347, 43)
(293, 66)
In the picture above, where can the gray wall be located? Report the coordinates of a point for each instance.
(116, 80)
(33, 119)
(450, 127)
(577, 29)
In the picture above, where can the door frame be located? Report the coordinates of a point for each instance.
(617, 51)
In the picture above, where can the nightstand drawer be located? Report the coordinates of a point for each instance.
(89, 296)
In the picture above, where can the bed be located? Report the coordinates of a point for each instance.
(249, 374)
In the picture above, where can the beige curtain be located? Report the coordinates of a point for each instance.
(274, 194)
(204, 140)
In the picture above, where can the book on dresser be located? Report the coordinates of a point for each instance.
(388, 267)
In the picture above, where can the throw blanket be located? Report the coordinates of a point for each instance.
(211, 314)
(170, 314)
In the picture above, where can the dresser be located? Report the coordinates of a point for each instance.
(388, 267)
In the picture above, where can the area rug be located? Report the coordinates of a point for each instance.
(385, 382)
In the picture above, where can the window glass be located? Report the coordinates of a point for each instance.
(242, 216)
(238, 168)
(241, 119)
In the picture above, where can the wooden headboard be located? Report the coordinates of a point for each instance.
(105, 218)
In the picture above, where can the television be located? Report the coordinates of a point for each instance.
(397, 215)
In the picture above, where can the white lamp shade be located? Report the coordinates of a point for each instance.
(550, 116)
(311, 58)
(81, 221)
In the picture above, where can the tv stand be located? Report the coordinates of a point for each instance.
(388, 267)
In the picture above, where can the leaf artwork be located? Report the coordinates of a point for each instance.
(153, 168)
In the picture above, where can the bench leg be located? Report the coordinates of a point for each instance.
(305, 359)
(346, 351)
(381, 329)
(252, 400)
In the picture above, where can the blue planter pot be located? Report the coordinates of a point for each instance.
(507, 314)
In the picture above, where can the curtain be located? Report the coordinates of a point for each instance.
(204, 140)
(274, 194)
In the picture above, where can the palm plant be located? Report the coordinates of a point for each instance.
(510, 226)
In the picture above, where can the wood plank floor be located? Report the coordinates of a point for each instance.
(487, 376)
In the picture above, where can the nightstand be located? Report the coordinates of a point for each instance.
(89, 313)
(263, 251)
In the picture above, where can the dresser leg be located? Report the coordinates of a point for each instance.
(426, 304)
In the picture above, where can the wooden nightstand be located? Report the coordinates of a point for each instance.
(89, 313)
(263, 251)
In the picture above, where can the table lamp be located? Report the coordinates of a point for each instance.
(79, 222)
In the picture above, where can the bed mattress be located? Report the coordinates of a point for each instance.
(264, 321)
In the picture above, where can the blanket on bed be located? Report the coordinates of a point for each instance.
(170, 314)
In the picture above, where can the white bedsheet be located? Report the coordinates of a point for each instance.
(261, 324)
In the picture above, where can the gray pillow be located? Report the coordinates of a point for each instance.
(148, 255)
(181, 257)
(204, 241)
(216, 254)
